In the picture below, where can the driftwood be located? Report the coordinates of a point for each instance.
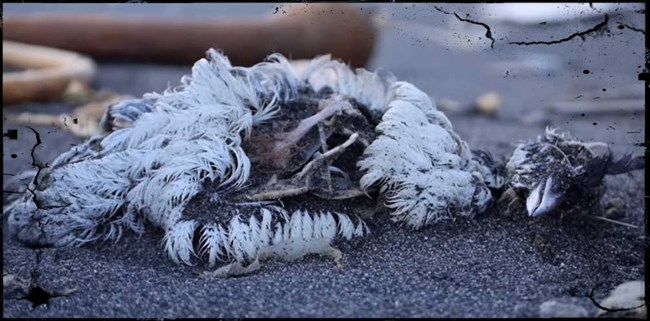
(297, 31)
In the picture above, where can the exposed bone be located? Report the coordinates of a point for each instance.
(331, 154)
(277, 194)
(289, 250)
(308, 123)
(340, 195)
(232, 269)
(325, 149)
(300, 183)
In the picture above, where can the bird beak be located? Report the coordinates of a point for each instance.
(540, 203)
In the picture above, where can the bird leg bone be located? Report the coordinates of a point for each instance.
(232, 269)
(328, 108)
(300, 183)
(323, 141)
(328, 126)
(339, 195)
(288, 250)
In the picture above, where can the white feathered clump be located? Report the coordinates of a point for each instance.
(368, 88)
(161, 150)
(425, 171)
(176, 141)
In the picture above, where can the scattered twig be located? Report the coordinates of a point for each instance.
(614, 221)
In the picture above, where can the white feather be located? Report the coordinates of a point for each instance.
(307, 226)
(366, 87)
(278, 235)
(328, 229)
(193, 134)
(265, 227)
(178, 241)
(420, 163)
(296, 225)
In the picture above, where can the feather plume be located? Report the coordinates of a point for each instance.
(424, 169)
(160, 149)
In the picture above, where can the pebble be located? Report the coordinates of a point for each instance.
(489, 103)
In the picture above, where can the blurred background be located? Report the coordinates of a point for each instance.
(498, 91)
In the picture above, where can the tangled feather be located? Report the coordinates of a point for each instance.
(423, 168)
(160, 151)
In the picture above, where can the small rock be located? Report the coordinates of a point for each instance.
(628, 298)
(554, 309)
(488, 103)
(614, 208)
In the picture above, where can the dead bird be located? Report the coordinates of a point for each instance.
(425, 171)
(163, 150)
(560, 174)
(250, 137)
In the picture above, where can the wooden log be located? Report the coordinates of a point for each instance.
(303, 31)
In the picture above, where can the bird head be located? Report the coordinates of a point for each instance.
(551, 191)
(569, 183)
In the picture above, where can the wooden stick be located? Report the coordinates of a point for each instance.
(303, 31)
(614, 221)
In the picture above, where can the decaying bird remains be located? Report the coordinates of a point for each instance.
(560, 174)
(248, 141)
(228, 163)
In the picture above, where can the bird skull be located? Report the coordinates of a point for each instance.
(542, 199)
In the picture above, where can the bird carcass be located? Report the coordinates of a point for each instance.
(238, 164)
(558, 173)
